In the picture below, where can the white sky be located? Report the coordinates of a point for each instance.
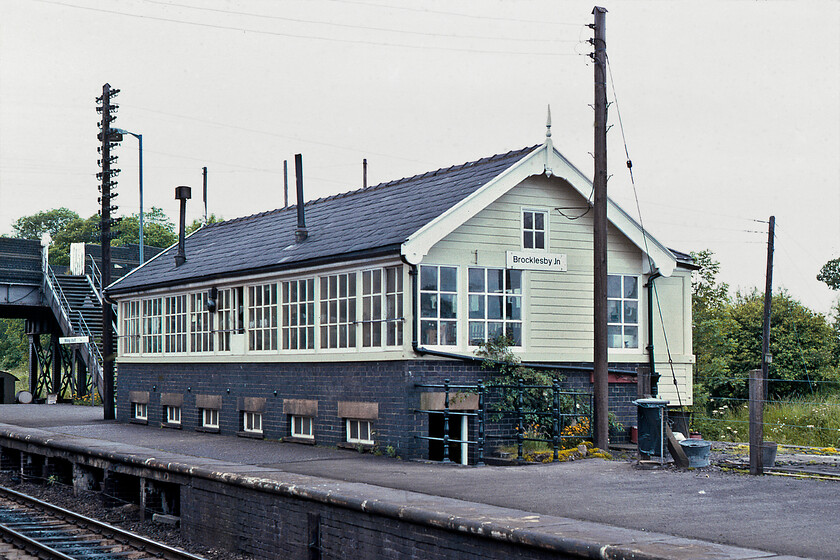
(731, 109)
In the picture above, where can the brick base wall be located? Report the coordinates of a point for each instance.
(389, 384)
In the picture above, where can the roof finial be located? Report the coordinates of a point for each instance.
(548, 123)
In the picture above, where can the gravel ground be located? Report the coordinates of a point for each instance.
(125, 517)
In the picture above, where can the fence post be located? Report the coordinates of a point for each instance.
(480, 459)
(756, 421)
(555, 385)
(520, 429)
(446, 421)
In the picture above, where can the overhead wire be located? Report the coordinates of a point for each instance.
(351, 26)
(423, 47)
(644, 234)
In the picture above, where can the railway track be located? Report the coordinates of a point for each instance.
(31, 528)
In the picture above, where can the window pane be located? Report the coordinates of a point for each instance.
(476, 333)
(476, 307)
(514, 333)
(494, 307)
(539, 240)
(476, 280)
(528, 220)
(631, 337)
(448, 306)
(513, 308)
(494, 280)
(614, 286)
(613, 311)
(539, 220)
(631, 287)
(514, 281)
(428, 332)
(447, 333)
(495, 330)
(614, 336)
(528, 239)
(428, 278)
(428, 305)
(448, 279)
(631, 312)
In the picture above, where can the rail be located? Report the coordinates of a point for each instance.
(562, 415)
(46, 525)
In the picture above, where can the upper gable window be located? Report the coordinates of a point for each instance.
(534, 229)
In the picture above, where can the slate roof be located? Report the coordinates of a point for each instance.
(368, 221)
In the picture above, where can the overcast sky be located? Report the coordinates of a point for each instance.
(731, 110)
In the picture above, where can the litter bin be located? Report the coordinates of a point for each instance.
(7, 387)
(651, 417)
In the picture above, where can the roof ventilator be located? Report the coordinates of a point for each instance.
(301, 233)
(183, 194)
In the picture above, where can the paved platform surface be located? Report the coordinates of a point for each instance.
(783, 516)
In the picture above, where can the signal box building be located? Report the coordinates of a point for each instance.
(319, 334)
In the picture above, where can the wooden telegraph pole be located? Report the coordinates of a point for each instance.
(601, 387)
(768, 298)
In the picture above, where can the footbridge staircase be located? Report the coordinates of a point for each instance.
(63, 312)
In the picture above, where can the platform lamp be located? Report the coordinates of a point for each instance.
(139, 139)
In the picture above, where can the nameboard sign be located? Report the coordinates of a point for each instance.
(73, 340)
(548, 262)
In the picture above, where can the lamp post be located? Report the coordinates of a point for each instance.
(140, 140)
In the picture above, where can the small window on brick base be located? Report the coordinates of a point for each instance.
(360, 431)
(252, 422)
(302, 427)
(172, 414)
(209, 418)
(139, 411)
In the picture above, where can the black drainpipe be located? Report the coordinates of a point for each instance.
(654, 377)
(412, 271)
(301, 233)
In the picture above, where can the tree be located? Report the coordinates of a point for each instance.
(830, 274)
(13, 343)
(75, 231)
(158, 229)
(711, 325)
(196, 224)
(52, 221)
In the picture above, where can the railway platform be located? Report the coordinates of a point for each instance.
(584, 509)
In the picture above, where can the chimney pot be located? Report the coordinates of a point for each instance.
(183, 194)
(301, 233)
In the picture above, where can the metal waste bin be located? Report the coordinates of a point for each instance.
(7, 387)
(651, 417)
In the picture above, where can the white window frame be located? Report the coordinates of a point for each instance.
(200, 324)
(252, 422)
(340, 333)
(140, 411)
(297, 317)
(436, 295)
(533, 229)
(621, 300)
(231, 311)
(130, 327)
(210, 418)
(381, 308)
(173, 414)
(349, 422)
(175, 323)
(263, 328)
(506, 294)
(152, 325)
(299, 425)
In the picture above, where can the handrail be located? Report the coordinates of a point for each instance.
(96, 274)
(53, 289)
